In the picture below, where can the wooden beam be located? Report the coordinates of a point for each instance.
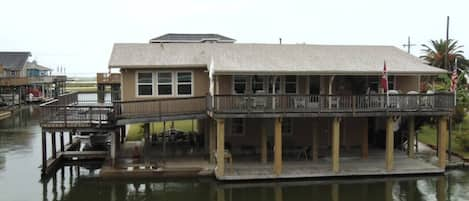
(389, 144)
(335, 192)
(278, 146)
(411, 138)
(220, 170)
(263, 143)
(62, 142)
(315, 146)
(364, 144)
(44, 152)
(335, 144)
(443, 141)
(53, 146)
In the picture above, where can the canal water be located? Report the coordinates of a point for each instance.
(20, 157)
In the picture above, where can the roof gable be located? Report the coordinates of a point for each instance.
(14, 60)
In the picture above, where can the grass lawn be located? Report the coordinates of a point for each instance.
(135, 132)
(427, 134)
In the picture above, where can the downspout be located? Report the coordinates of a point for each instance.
(331, 81)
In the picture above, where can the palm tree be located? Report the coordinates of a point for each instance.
(434, 54)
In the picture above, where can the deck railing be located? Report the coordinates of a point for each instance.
(161, 107)
(65, 111)
(13, 81)
(332, 103)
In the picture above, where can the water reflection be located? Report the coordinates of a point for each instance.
(78, 183)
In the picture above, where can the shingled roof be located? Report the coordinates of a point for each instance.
(191, 38)
(34, 65)
(14, 60)
(238, 58)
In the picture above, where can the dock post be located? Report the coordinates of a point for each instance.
(53, 146)
(315, 147)
(278, 146)
(113, 148)
(44, 152)
(365, 140)
(212, 140)
(441, 188)
(62, 143)
(278, 192)
(443, 141)
(388, 190)
(389, 143)
(411, 140)
(220, 170)
(122, 130)
(336, 144)
(263, 144)
(335, 192)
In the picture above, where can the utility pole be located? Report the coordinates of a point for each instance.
(447, 67)
(408, 45)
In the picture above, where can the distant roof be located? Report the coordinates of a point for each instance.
(34, 65)
(13, 60)
(191, 38)
(297, 59)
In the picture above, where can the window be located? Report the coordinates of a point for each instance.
(287, 127)
(165, 83)
(258, 84)
(290, 84)
(239, 84)
(184, 83)
(277, 85)
(237, 127)
(145, 84)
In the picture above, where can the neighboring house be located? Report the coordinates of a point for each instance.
(35, 70)
(13, 63)
(271, 102)
(192, 38)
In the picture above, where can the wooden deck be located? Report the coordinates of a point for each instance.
(349, 167)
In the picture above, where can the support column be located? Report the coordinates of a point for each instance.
(62, 142)
(220, 170)
(441, 189)
(411, 138)
(335, 144)
(164, 138)
(278, 146)
(388, 190)
(122, 130)
(53, 146)
(113, 148)
(212, 140)
(44, 152)
(389, 144)
(443, 141)
(70, 137)
(263, 144)
(315, 147)
(335, 192)
(365, 141)
(146, 132)
(278, 193)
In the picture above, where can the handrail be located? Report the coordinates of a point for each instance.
(158, 99)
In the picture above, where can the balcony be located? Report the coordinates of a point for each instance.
(13, 81)
(234, 106)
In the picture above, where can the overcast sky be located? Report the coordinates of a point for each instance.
(79, 34)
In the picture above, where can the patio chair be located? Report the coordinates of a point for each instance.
(299, 102)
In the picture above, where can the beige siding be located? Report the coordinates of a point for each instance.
(200, 82)
(351, 132)
(407, 83)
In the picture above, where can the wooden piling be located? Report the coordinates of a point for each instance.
(278, 146)
(53, 146)
(62, 143)
(44, 152)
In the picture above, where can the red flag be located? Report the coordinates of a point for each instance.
(454, 79)
(384, 79)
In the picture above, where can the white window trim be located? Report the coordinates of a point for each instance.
(177, 83)
(245, 84)
(285, 85)
(157, 84)
(237, 134)
(138, 84)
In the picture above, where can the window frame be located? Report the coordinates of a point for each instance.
(176, 86)
(243, 124)
(157, 84)
(137, 84)
(233, 83)
(290, 133)
(285, 84)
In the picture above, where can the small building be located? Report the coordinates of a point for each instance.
(284, 110)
